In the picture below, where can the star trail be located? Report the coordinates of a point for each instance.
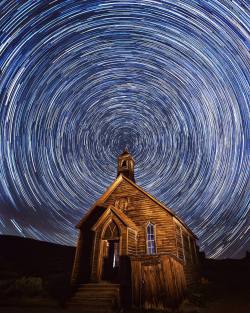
(80, 80)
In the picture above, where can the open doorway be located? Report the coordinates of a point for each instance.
(111, 254)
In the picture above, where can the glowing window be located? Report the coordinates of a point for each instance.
(151, 239)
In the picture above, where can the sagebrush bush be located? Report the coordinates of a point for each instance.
(58, 287)
(29, 286)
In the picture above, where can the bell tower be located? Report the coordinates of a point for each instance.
(126, 165)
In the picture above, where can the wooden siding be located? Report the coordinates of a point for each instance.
(97, 256)
(187, 253)
(141, 209)
(84, 250)
(132, 241)
(171, 237)
(179, 243)
(158, 282)
(186, 246)
(77, 261)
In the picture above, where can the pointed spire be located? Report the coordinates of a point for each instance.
(125, 152)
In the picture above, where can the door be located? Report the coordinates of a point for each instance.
(111, 258)
(152, 287)
(111, 253)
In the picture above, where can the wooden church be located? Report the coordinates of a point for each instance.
(132, 249)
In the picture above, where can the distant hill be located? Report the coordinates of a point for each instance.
(229, 272)
(28, 257)
(23, 256)
(29, 267)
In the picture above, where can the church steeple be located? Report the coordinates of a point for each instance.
(126, 165)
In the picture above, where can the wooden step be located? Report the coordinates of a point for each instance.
(79, 309)
(96, 297)
(97, 290)
(91, 293)
(99, 286)
(102, 301)
(90, 309)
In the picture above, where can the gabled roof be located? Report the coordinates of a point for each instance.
(113, 186)
(123, 218)
(100, 201)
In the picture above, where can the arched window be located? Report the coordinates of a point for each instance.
(151, 249)
(124, 163)
(112, 232)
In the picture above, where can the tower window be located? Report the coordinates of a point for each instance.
(124, 163)
(151, 249)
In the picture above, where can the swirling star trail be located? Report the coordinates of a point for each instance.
(80, 80)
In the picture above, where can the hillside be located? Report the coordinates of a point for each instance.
(37, 273)
(23, 256)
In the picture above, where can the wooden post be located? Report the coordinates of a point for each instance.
(136, 280)
(77, 262)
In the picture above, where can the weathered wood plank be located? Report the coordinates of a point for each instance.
(158, 281)
(142, 209)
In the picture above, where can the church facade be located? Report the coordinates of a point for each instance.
(130, 239)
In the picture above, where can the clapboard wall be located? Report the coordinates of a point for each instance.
(173, 267)
(142, 209)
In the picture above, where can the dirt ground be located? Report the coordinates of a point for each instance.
(213, 298)
(225, 304)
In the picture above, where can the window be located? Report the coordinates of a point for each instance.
(124, 163)
(112, 232)
(186, 248)
(179, 243)
(151, 249)
(192, 248)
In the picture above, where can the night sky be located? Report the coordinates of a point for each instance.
(80, 80)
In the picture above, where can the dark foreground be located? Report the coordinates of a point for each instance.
(34, 278)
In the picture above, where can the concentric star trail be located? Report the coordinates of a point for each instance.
(80, 80)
